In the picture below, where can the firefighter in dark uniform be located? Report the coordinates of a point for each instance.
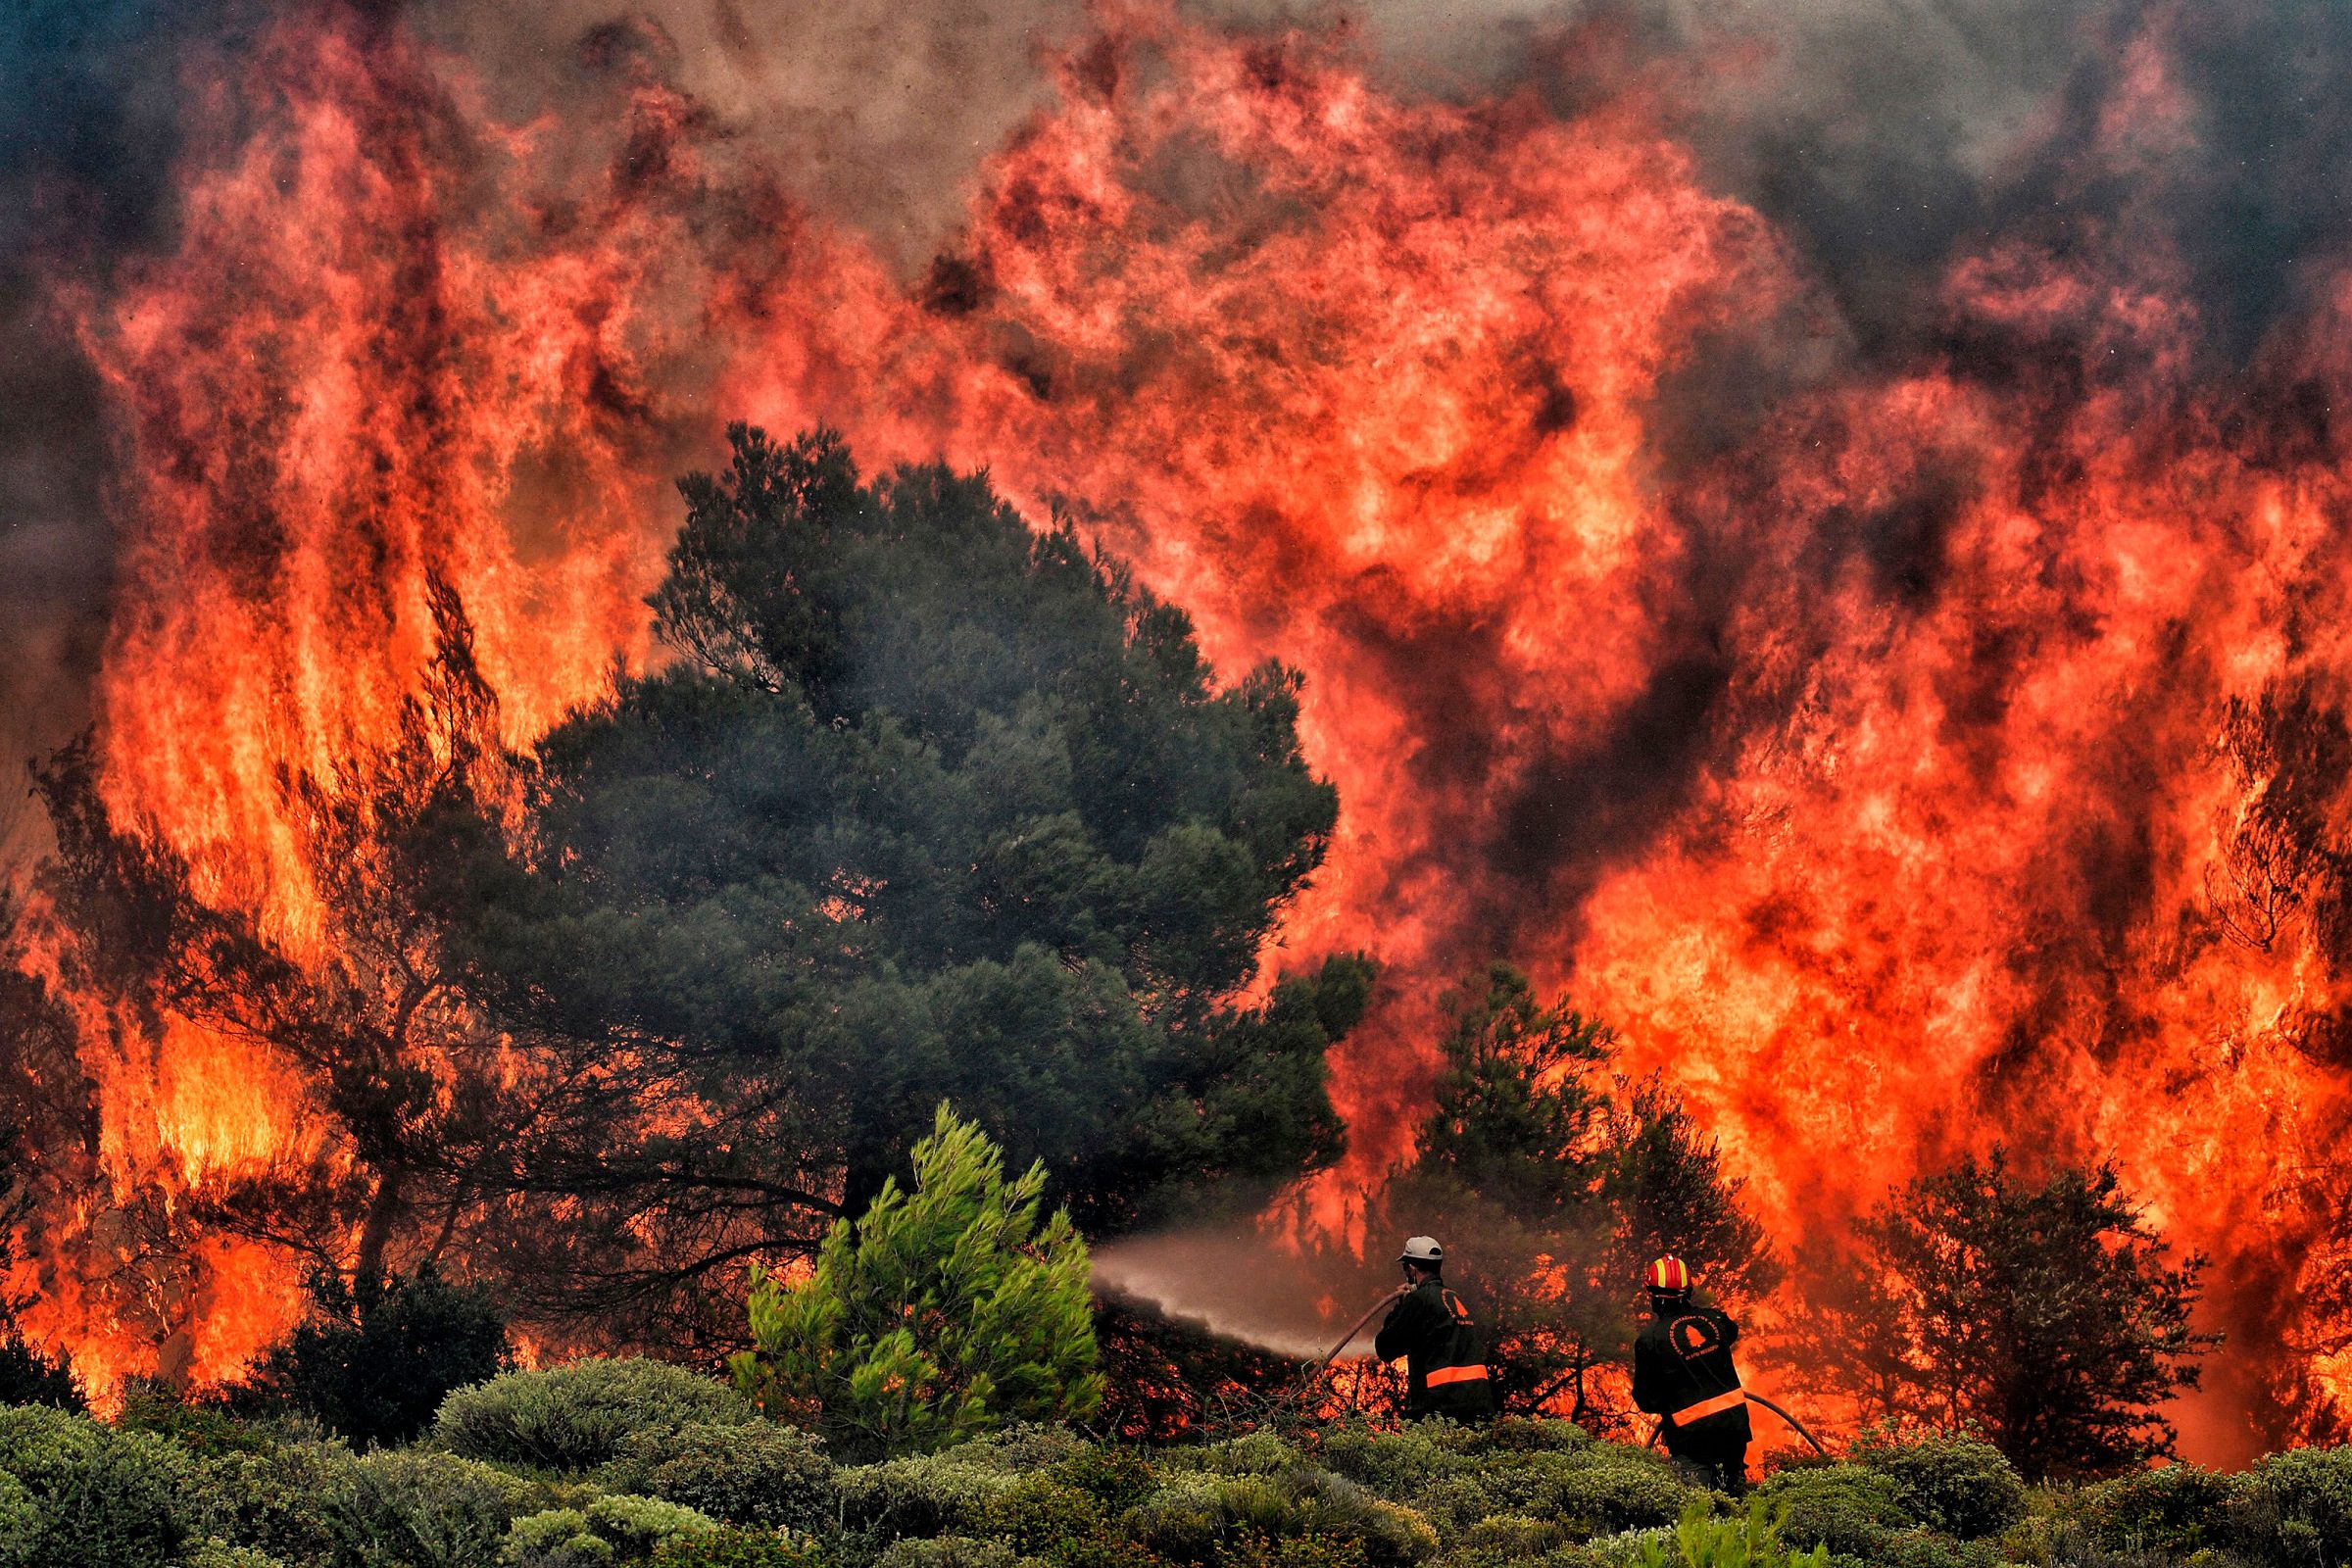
(1445, 1357)
(1682, 1374)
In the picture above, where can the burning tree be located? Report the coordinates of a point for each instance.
(932, 805)
(1571, 1179)
(2042, 1316)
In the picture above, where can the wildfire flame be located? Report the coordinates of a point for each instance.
(1943, 751)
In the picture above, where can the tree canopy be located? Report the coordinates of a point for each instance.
(926, 803)
(936, 806)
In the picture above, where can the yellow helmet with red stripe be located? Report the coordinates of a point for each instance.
(1670, 1276)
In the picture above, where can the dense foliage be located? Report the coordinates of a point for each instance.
(1564, 1181)
(374, 1360)
(740, 1492)
(946, 1309)
(930, 804)
(936, 806)
(2043, 1315)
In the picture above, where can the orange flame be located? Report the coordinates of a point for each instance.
(1876, 774)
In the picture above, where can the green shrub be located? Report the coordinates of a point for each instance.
(1844, 1507)
(555, 1537)
(375, 1359)
(2296, 1508)
(1297, 1552)
(1921, 1548)
(1040, 1510)
(1508, 1537)
(929, 1496)
(1510, 1433)
(637, 1525)
(413, 1508)
(943, 1311)
(219, 1554)
(947, 1551)
(90, 1495)
(1948, 1482)
(761, 1474)
(941, 1493)
(1244, 1517)
(1611, 1488)
(729, 1547)
(1392, 1464)
(1752, 1539)
(20, 1523)
(2177, 1509)
(1258, 1453)
(284, 1499)
(1119, 1478)
(201, 1429)
(579, 1417)
(29, 1376)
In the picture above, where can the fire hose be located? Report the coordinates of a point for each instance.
(1795, 1424)
(1315, 1377)
(1333, 1354)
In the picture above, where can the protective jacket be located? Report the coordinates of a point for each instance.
(1446, 1356)
(1682, 1371)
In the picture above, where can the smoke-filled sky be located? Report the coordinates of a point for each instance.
(1878, 133)
(1817, 527)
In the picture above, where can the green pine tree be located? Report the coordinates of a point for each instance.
(944, 1311)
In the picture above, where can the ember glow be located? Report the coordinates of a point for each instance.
(1908, 739)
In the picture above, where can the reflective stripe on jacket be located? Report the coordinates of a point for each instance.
(1683, 1372)
(1445, 1357)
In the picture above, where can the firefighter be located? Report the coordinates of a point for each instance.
(1682, 1374)
(1445, 1358)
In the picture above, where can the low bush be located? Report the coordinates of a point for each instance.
(728, 1548)
(199, 1428)
(947, 1551)
(1844, 1507)
(374, 1360)
(2295, 1507)
(555, 1537)
(217, 1554)
(1946, 1481)
(578, 1417)
(613, 1528)
(29, 1376)
(87, 1495)
(757, 1475)
(289, 1501)
(1119, 1478)
(2178, 1508)
(1219, 1519)
(934, 1494)
(1752, 1539)
(1614, 1489)
(1038, 1511)
(1509, 1538)
(413, 1509)
(637, 1525)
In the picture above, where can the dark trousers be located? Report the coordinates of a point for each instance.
(1723, 1469)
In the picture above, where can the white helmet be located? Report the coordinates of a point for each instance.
(1425, 1250)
